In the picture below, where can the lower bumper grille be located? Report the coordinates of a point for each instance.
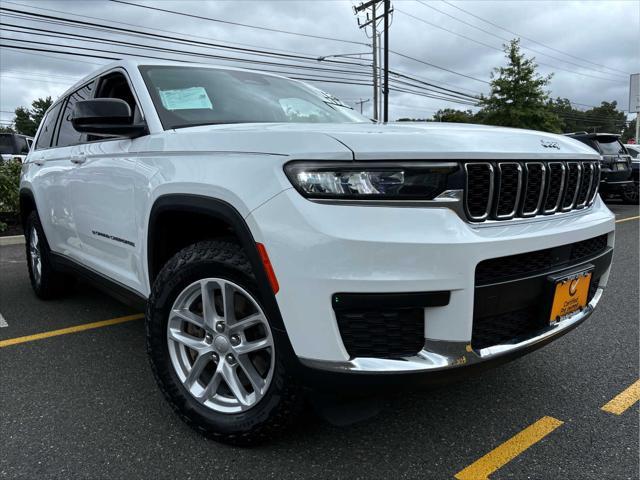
(393, 333)
(509, 327)
(502, 269)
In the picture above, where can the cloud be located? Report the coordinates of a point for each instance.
(604, 33)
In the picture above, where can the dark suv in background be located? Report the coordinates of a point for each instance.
(14, 146)
(615, 176)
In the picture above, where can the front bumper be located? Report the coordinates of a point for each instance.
(318, 250)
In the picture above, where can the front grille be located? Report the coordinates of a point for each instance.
(391, 333)
(502, 269)
(506, 190)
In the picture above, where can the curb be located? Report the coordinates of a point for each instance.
(13, 240)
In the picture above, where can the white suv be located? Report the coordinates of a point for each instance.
(280, 240)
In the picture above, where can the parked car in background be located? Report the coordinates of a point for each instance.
(633, 194)
(615, 175)
(282, 242)
(14, 146)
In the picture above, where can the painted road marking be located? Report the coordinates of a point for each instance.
(65, 331)
(3, 322)
(627, 219)
(621, 402)
(503, 454)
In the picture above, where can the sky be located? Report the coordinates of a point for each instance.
(591, 47)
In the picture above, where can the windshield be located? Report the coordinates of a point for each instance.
(189, 96)
(6, 144)
(611, 146)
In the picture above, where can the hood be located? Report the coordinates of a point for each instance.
(401, 140)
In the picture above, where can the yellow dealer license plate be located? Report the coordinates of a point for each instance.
(570, 296)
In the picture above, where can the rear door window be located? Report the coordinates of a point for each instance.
(23, 147)
(48, 127)
(6, 144)
(67, 134)
(611, 147)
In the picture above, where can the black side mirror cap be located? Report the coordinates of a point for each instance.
(106, 117)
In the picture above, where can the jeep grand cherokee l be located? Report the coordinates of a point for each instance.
(282, 241)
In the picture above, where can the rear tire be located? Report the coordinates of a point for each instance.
(47, 283)
(197, 317)
(631, 194)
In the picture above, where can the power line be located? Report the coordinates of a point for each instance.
(530, 39)
(182, 52)
(508, 39)
(228, 22)
(408, 57)
(500, 49)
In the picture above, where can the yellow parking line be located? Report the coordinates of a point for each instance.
(65, 331)
(627, 219)
(503, 454)
(621, 402)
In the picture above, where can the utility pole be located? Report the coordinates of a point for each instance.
(387, 7)
(374, 37)
(373, 20)
(362, 102)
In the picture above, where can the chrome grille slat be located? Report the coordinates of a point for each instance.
(504, 190)
(509, 189)
(534, 186)
(555, 187)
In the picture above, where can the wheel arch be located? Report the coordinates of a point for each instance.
(27, 205)
(222, 213)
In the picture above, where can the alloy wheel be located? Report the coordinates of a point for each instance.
(220, 345)
(34, 254)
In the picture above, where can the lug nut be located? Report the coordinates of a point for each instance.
(208, 338)
(220, 327)
(214, 357)
(231, 359)
(235, 340)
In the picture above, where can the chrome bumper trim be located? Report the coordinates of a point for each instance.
(443, 355)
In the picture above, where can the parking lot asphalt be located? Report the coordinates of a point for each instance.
(85, 404)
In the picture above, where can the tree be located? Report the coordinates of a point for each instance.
(517, 97)
(630, 131)
(454, 116)
(26, 120)
(606, 118)
(7, 129)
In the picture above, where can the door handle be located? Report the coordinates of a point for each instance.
(78, 159)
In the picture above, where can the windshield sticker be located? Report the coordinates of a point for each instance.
(193, 98)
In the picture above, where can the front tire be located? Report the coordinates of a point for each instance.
(212, 348)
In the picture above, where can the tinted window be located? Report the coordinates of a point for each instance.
(187, 96)
(67, 134)
(23, 148)
(611, 147)
(6, 144)
(48, 126)
(633, 152)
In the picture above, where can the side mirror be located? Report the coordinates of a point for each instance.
(106, 117)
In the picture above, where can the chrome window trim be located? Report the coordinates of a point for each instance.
(518, 191)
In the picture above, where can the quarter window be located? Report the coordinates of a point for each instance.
(48, 126)
(67, 134)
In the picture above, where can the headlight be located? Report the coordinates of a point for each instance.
(370, 180)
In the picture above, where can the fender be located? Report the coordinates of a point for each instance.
(224, 211)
